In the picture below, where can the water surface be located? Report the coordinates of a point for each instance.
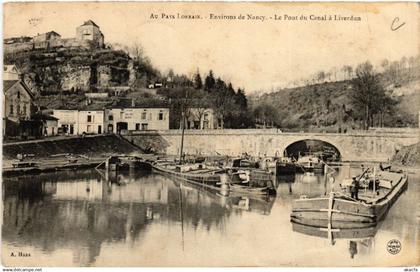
(142, 219)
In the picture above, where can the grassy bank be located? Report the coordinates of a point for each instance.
(89, 146)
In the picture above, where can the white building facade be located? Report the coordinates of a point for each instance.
(201, 118)
(67, 121)
(91, 122)
(118, 120)
(75, 122)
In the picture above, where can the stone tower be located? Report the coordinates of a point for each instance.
(90, 31)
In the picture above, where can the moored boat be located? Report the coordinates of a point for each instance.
(339, 210)
(216, 178)
(285, 166)
(310, 163)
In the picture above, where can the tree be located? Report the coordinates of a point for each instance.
(209, 82)
(368, 95)
(241, 99)
(265, 114)
(384, 64)
(348, 71)
(220, 86)
(137, 52)
(320, 76)
(197, 82)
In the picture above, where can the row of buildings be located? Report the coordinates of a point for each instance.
(121, 120)
(112, 120)
(88, 35)
(23, 118)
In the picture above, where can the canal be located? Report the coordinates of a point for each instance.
(76, 218)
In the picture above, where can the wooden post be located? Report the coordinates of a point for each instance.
(330, 207)
(107, 164)
(374, 180)
(224, 180)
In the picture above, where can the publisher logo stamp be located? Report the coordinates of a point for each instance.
(393, 246)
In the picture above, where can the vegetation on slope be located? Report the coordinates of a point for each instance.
(341, 105)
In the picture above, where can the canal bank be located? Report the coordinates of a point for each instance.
(58, 154)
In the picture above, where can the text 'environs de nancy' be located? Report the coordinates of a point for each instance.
(256, 17)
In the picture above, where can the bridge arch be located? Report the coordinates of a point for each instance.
(312, 144)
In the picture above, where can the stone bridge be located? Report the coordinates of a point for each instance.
(353, 146)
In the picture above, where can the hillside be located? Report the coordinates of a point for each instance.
(408, 155)
(74, 70)
(327, 106)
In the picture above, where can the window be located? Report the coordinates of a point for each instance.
(144, 126)
(143, 115)
(18, 109)
(18, 95)
(137, 126)
(160, 116)
(88, 128)
(89, 118)
(110, 118)
(11, 109)
(24, 109)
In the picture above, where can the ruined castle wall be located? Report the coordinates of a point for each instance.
(75, 77)
(17, 47)
(104, 76)
(27, 46)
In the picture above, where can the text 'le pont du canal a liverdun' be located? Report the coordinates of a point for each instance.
(257, 17)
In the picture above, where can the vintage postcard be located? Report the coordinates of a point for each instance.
(210, 134)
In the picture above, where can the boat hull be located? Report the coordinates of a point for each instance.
(285, 168)
(342, 212)
(337, 233)
(212, 182)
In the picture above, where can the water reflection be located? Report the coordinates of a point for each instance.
(356, 238)
(84, 210)
(87, 218)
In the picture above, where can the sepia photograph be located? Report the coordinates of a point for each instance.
(210, 134)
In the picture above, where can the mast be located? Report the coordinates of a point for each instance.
(374, 180)
(182, 136)
(183, 126)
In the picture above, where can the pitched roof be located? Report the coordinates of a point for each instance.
(90, 22)
(44, 117)
(7, 84)
(52, 33)
(49, 33)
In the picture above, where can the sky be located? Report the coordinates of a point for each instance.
(252, 54)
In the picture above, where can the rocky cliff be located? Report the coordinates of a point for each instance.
(72, 70)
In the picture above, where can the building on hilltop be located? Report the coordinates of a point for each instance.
(22, 39)
(45, 37)
(88, 35)
(90, 31)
